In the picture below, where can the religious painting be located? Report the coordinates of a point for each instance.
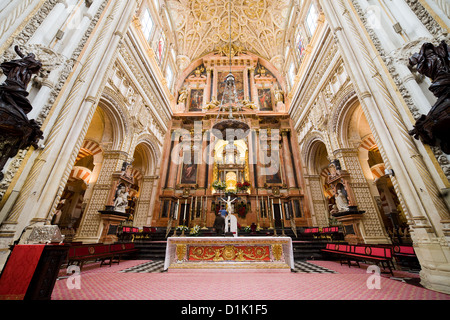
(231, 180)
(265, 99)
(238, 82)
(273, 174)
(196, 100)
(189, 173)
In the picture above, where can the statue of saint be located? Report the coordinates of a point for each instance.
(341, 201)
(434, 63)
(121, 201)
(17, 131)
(18, 74)
(278, 96)
(182, 95)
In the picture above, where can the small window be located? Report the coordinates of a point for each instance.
(300, 45)
(147, 24)
(311, 19)
(160, 48)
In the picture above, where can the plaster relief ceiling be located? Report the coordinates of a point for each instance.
(202, 26)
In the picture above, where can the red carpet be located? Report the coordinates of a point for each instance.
(107, 283)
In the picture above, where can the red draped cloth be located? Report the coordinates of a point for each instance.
(19, 270)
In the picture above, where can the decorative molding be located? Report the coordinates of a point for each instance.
(402, 56)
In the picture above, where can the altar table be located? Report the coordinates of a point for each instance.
(219, 253)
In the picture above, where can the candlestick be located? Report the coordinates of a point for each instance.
(176, 210)
(281, 209)
(273, 212)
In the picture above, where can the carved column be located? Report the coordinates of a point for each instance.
(144, 202)
(202, 145)
(373, 230)
(207, 90)
(320, 216)
(288, 160)
(259, 167)
(89, 230)
(215, 83)
(246, 84)
(252, 157)
(253, 89)
(174, 160)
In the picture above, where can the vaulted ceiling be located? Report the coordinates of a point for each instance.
(202, 26)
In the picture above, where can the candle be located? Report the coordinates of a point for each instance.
(281, 209)
(176, 209)
(185, 205)
(273, 211)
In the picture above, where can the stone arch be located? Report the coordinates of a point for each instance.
(313, 147)
(115, 119)
(150, 152)
(341, 116)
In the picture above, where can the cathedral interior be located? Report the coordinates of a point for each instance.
(333, 97)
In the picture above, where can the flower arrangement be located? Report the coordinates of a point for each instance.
(181, 228)
(242, 209)
(195, 231)
(243, 186)
(219, 185)
(246, 229)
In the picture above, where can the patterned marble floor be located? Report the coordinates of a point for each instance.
(158, 266)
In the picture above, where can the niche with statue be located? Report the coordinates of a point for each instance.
(119, 208)
(344, 207)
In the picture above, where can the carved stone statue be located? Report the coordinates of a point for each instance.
(434, 128)
(182, 95)
(16, 130)
(341, 201)
(121, 201)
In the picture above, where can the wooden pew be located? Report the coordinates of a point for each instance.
(79, 254)
(348, 253)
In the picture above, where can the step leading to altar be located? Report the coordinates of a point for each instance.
(229, 253)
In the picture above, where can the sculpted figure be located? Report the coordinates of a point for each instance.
(434, 63)
(341, 201)
(121, 201)
(16, 130)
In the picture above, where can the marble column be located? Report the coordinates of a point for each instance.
(174, 157)
(144, 202)
(288, 160)
(90, 225)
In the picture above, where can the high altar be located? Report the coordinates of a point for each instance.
(258, 172)
(219, 253)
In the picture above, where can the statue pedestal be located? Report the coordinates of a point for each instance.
(111, 220)
(350, 221)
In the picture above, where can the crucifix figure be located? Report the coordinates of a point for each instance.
(229, 202)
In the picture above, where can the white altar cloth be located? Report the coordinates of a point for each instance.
(218, 253)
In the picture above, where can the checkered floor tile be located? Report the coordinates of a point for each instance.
(158, 266)
(147, 267)
(306, 267)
